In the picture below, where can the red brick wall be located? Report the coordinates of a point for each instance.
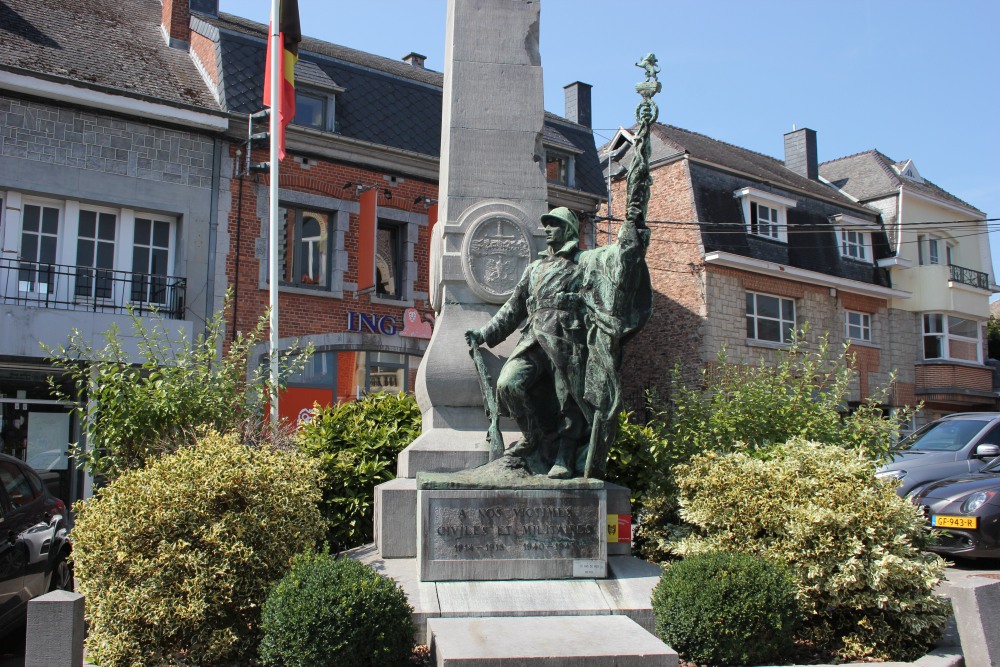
(204, 50)
(953, 376)
(675, 265)
(860, 303)
(305, 314)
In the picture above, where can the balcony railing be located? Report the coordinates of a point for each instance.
(67, 287)
(971, 277)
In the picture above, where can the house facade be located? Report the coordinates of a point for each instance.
(941, 257)
(109, 168)
(746, 249)
(358, 201)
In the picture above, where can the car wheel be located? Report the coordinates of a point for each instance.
(62, 575)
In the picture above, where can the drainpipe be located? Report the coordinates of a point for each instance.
(213, 229)
(899, 222)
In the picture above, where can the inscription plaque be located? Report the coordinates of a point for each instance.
(473, 534)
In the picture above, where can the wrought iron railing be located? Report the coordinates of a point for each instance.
(971, 277)
(68, 287)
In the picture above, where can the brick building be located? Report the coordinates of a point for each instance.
(941, 256)
(358, 196)
(745, 249)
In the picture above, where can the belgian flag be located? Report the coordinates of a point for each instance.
(290, 36)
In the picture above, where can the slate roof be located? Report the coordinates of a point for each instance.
(718, 169)
(386, 102)
(106, 44)
(869, 175)
(762, 167)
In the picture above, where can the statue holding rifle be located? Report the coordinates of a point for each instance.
(578, 309)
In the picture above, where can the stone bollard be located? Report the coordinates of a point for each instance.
(976, 602)
(55, 631)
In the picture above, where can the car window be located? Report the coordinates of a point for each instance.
(19, 489)
(945, 436)
(992, 437)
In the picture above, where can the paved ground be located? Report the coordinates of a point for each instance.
(12, 646)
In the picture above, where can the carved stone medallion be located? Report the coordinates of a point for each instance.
(495, 253)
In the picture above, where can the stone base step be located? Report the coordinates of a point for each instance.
(549, 641)
(625, 592)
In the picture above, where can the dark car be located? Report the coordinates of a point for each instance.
(964, 512)
(34, 545)
(953, 445)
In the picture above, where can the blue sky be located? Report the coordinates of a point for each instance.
(916, 79)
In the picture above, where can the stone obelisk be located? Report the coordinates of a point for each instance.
(492, 192)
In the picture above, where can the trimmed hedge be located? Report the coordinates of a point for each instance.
(335, 612)
(726, 609)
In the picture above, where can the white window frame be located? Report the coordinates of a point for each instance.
(74, 235)
(753, 198)
(854, 238)
(786, 327)
(860, 329)
(941, 323)
(34, 287)
(69, 236)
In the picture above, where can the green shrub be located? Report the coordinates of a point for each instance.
(851, 544)
(131, 412)
(176, 559)
(726, 609)
(798, 392)
(329, 612)
(356, 445)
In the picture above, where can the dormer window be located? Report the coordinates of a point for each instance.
(854, 237)
(315, 97)
(908, 170)
(311, 110)
(765, 213)
(560, 168)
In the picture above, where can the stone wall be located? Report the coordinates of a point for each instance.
(100, 142)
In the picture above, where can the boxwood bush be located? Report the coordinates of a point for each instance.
(726, 609)
(177, 558)
(852, 545)
(336, 612)
(356, 445)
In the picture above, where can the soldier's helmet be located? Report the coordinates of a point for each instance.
(567, 217)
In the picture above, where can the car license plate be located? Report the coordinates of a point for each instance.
(954, 521)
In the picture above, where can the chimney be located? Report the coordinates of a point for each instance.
(800, 153)
(176, 23)
(414, 59)
(578, 103)
(210, 7)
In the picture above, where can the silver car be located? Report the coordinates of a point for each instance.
(954, 445)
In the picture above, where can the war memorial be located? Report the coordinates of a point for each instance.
(497, 524)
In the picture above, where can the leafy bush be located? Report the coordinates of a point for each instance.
(851, 544)
(800, 393)
(176, 559)
(357, 444)
(329, 612)
(726, 609)
(131, 412)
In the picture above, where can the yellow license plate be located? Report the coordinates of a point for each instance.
(954, 521)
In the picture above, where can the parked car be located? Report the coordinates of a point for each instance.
(953, 445)
(34, 544)
(964, 511)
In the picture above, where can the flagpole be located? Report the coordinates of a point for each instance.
(275, 119)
